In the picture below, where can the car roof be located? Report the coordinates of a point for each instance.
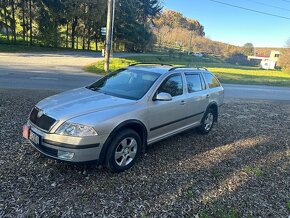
(166, 68)
(156, 69)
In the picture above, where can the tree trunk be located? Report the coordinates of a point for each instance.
(84, 39)
(30, 22)
(77, 42)
(96, 40)
(66, 39)
(55, 34)
(6, 21)
(73, 31)
(84, 43)
(27, 36)
(13, 24)
(23, 22)
(89, 39)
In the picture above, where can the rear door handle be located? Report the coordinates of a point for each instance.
(207, 96)
(183, 102)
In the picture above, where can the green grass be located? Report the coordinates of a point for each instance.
(20, 48)
(253, 170)
(256, 76)
(220, 213)
(24, 48)
(227, 73)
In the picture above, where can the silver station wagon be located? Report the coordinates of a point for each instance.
(113, 120)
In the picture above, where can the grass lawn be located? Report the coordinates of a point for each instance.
(227, 73)
(24, 48)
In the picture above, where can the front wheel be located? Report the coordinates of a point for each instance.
(207, 122)
(123, 151)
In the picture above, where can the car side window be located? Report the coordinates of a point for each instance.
(211, 80)
(172, 85)
(194, 83)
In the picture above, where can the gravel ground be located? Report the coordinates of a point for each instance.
(241, 169)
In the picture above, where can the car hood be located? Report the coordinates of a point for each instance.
(78, 102)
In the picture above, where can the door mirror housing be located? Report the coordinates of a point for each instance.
(163, 96)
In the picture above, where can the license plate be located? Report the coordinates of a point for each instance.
(34, 138)
(25, 131)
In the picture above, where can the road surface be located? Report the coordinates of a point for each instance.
(63, 71)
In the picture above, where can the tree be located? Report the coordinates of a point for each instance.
(248, 49)
(13, 21)
(287, 43)
(49, 22)
(171, 26)
(4, 23)
(132, 22)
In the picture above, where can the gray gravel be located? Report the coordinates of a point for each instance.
(241, 169)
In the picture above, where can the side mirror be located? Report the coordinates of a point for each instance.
(163, 96)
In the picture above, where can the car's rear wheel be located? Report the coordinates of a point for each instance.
(123, 151)
(207, 122)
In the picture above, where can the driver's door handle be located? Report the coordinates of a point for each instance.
(183, 102)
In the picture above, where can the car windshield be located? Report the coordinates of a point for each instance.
(126, 83)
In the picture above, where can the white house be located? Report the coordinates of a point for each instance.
(267, 63)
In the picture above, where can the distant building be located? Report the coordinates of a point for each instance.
(267, 62)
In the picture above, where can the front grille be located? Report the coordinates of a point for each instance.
(44, 122)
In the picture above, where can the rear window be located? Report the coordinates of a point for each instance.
(211, 80)
(193, 82)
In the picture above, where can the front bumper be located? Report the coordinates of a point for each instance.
(72, 149)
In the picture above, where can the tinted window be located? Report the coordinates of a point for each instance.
(211, 80)
(130, 84)
(172, 85)
(193, 83)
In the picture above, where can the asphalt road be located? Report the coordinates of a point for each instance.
(63, 71)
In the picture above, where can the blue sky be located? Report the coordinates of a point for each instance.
(236, 26)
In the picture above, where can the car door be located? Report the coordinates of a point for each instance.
(198, 98)
(215, 90)
(166, 117)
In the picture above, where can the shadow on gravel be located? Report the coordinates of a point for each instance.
(241, 169)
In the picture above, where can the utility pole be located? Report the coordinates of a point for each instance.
(109, 35)
(113, 24)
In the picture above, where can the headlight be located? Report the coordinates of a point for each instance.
(74, 129)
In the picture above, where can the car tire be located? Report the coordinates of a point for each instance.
(123, 151)
(207, 122)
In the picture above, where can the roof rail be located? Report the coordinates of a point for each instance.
(198, 68)
(148, 63)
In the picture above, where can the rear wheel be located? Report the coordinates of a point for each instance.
(123, 151)
(207, 122)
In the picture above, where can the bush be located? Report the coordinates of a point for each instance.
(284, 61)
(240, 59)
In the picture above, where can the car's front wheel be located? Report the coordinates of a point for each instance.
(123, 151)
(207, 122)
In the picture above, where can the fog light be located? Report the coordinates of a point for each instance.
(66, 155)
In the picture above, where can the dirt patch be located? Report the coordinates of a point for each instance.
(240, 169)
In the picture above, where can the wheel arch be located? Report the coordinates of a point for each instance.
(214, 106)
(133, 124)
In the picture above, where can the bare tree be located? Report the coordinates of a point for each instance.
(287, 43)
